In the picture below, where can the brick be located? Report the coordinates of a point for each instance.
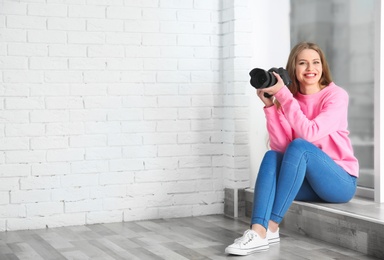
(79, 181)
(124, 64)
(63, 77)
(70, 194)
(125, 114)
(142, 26)
(56, 10)
(64, 103)
(194, 15)
(102, 127)
(65, 155)
(174, 126)
(85, 205)
(195, 113)
(174, 101)
(105, 25)
(124, 139)
(45, 143)
(104, 217)
(87, 140)
(14, 143)
(49, 116)
(138, 126)
(18, 76)
(174, 150)
(89, 166)
(15, 170)
(87, 115)
(161, 89)
(87, 64)
(102, 102)
(42, 36)
(86, 37)
(123, 38)
(139, 77)
(176, 27)
(30, 196)
(103, 153)
(193, 40)
(108, 191)
(125, 13)
(194, 64)
(160, 138)
(182, 4)
(13, 63)
(159, 39)
(42, 63)
(160, 163)
(195, 161)
(45, 169)
(65, 128)
(112, 178)
(25, 156)
(12, 211)
(66, 24)
(160, 113)
(159, 14)
(13, 8)
(102, 76)
(177, 52)
(126, 165)
(64, 50)
(44, 209)
(86, 11)
(4, 198)
(139, 101)
(27, 49)
(13, 35)
(26, 22)
(31, 129)
(174, 77)
(139, 151)
(39, 182)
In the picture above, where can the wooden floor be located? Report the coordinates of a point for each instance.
(182, 238)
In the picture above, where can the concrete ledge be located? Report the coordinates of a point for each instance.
(357, 225)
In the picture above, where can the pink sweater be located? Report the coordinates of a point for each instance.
(319, 118)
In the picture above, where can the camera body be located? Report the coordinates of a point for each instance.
(263, 79)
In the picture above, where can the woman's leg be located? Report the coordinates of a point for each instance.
(265, 188)
(304, 161)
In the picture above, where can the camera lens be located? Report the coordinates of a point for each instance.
(261, 78)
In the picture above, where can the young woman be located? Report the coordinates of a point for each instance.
(311, 156)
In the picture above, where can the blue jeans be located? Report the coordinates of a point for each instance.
(304, 172)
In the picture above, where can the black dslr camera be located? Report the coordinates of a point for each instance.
(264, 79)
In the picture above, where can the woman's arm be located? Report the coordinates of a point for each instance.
(279, 130)
(333, 111)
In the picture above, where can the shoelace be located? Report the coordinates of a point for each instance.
(247, 236)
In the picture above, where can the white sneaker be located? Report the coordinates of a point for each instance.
(273, 237)
(249, 243)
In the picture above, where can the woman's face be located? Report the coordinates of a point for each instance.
(308, 68)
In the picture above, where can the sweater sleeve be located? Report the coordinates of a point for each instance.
(280, 132)
(333, 110)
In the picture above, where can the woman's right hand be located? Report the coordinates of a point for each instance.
(268, 102)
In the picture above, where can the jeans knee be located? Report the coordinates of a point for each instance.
(299, 144)
(273, 155)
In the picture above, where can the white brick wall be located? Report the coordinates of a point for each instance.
(120, 110)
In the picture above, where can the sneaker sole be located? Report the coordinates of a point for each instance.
(234, 251)
(274, 241)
